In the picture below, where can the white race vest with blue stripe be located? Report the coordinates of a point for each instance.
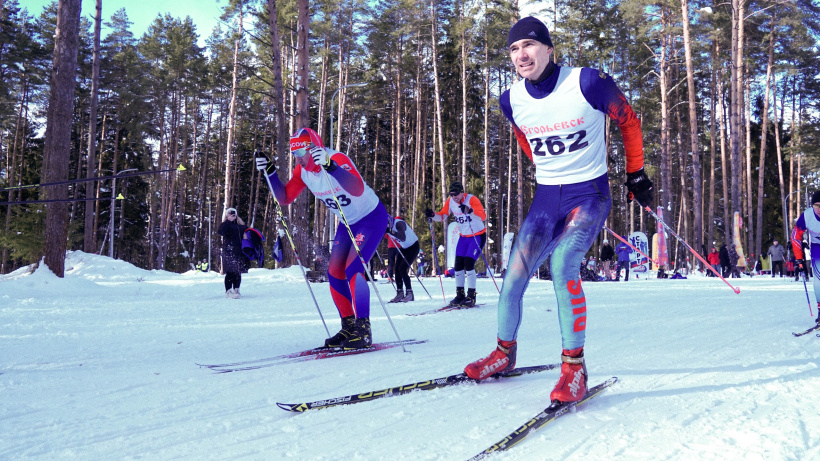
(355, 208)
(813, 226)
(566, 134)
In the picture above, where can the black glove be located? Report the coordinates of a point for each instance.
(429, 213)
(639, 187)
(800, 265)
(465, 209)
(262, 163)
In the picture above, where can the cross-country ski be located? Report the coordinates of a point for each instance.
(425, 385)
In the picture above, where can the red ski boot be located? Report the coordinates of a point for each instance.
(572, 386)
(501, 359)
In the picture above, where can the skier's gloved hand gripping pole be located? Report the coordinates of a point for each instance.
(640, 189)
(435, 258)
(390, 236)
(268, 168)
(321, 158)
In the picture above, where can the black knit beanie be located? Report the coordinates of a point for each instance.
(531, 28)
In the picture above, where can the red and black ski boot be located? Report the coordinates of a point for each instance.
(501, 359)
(572, 385)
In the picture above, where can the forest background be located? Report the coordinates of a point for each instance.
(727, 93)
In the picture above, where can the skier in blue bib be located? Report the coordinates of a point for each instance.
(559, 118)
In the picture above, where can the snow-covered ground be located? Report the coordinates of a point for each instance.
(100, 365)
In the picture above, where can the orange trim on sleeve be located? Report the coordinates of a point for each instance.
(478, 208)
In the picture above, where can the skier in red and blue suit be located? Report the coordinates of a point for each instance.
(365, 214)
(559, 118)
(809, 222)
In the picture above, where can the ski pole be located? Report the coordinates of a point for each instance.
(481, 249)
(295, 252)
(408, 264)
(804, 276)
(682, 241)
(359, 253)
(435, 258)
(378, 255)
(807, 295)
(654, 261)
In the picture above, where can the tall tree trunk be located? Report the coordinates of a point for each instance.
(13, 171)
(693, 131)
(666, 167)
(727, 219)
(736, 104)
(232, 116)
(713, 136)
(761, 174)
(775, 122)
(299, 208)
(89, 234)
(281, 138)
(750, 224)
(464, 83)
(437, 98)
(56, 150)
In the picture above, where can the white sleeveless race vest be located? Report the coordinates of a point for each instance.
(468, 224)
(355, 208)
(410, 237)
(812, 226)
(566, 134)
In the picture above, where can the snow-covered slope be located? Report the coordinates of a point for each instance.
(101, 365)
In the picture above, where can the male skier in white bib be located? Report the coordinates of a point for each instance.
(559, 118)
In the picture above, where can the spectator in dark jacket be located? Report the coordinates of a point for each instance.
(607, 253)
(234, 261)
(725, 262)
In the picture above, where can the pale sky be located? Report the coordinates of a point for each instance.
(204, 13)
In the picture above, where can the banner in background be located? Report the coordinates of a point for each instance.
(738, 224)
(654, 251)
(663, 254)
(639, 241)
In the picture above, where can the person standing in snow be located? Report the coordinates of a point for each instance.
(470, 215)
(364, 212)
(809, 222)
(234, 262)
(421, 261)
(725, 262)
(607, 253)
(559, 118)
(624, 252)
(778, 254)
(714, 260)
(407, 247)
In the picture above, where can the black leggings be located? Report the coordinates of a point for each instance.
(402, 275)
(232, 280)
